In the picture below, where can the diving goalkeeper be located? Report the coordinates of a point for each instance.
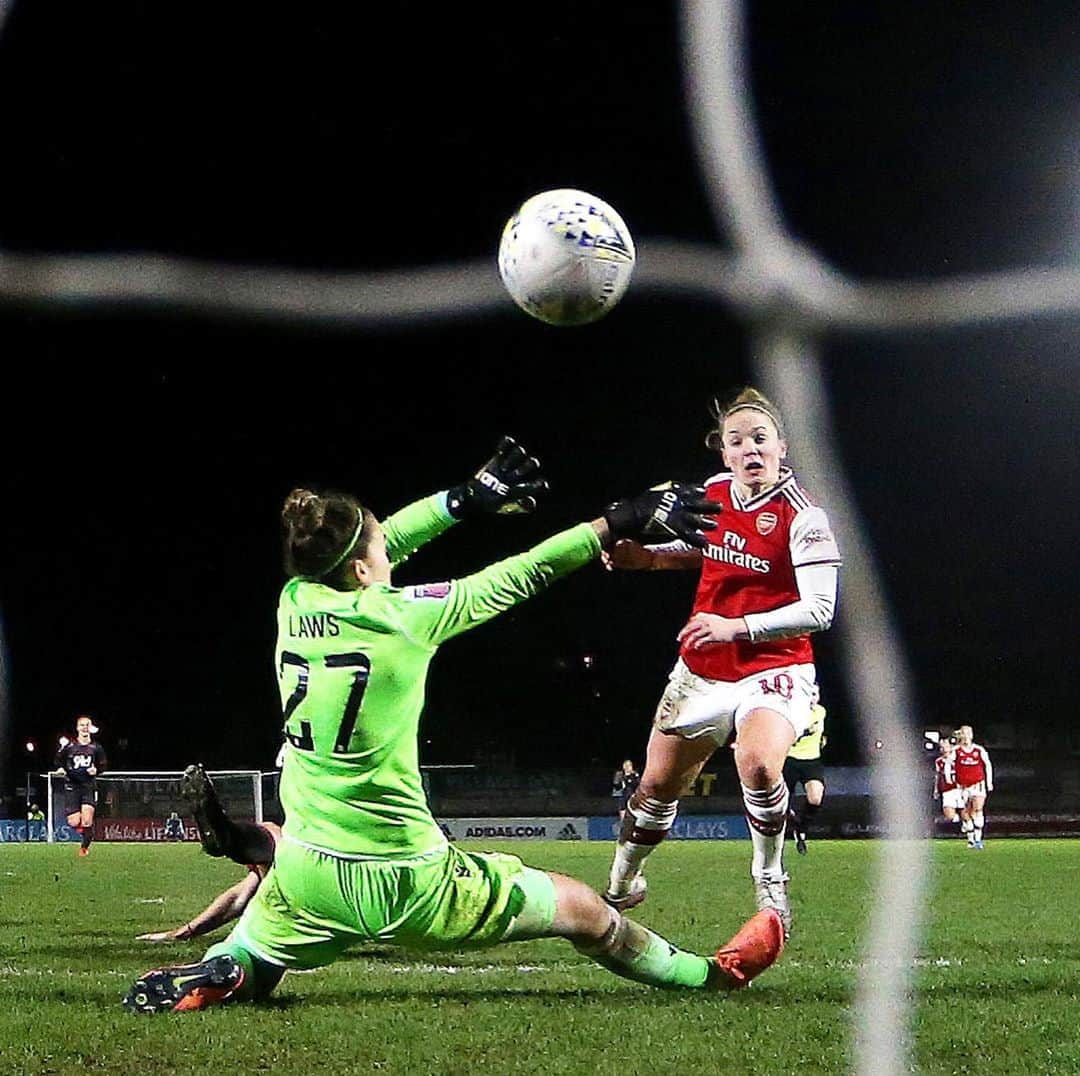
(361, 858)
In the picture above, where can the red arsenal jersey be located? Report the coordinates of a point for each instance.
(970, 765)
(945, 773)
(749, 567)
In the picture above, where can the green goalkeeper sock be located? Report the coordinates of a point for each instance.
(634, 952)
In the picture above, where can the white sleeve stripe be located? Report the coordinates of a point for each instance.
(798, 499)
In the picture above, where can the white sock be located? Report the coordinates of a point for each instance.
(625, 865)
(978, 822)
(651, 820)
(766, 814)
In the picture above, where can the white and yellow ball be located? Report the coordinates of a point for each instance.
(566, 257)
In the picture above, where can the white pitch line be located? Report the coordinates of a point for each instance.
(10, 971)
(478, 969)
(821, 965)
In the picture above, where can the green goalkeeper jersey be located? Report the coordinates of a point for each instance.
(352, 667)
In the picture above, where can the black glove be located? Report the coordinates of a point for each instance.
(673, 510)
(508, 483)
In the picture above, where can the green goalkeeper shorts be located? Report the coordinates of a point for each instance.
(312, 906)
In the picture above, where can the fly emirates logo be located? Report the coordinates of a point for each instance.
(733, 551)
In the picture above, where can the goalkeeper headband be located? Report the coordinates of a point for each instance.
(348, 546)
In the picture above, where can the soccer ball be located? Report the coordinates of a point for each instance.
(566, 257)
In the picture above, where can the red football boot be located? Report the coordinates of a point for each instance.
(756, 947)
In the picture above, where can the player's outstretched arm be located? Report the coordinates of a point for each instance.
(631, 556)
(508, 483)
(224, 908)
(439, 613)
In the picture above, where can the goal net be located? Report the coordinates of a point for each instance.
(794, 304)
(135, 805)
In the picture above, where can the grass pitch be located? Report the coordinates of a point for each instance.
(998, 975)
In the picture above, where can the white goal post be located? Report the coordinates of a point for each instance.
(154, 794)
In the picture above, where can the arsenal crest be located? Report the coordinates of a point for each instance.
(766, 523)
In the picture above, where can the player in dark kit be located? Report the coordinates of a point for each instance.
(251, 844)
(625, 784)
(80, 762)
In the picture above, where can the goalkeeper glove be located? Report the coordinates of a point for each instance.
(668, 512)
(507, 484)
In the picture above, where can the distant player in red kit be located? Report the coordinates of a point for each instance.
(945, 787)
(975, 776)
(80, 762)
(768, 580)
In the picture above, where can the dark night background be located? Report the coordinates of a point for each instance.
(146, 454)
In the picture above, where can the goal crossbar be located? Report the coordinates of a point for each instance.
(138, 776)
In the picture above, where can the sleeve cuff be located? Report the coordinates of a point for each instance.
(442, 504)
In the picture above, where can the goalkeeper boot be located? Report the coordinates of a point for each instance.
(800, 843)
(210, 817)
(771, 892)
(756, 947)
(631, 898)
(191, 986)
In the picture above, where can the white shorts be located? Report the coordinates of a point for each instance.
(693, 706)
(977, 789)
(955, 798)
